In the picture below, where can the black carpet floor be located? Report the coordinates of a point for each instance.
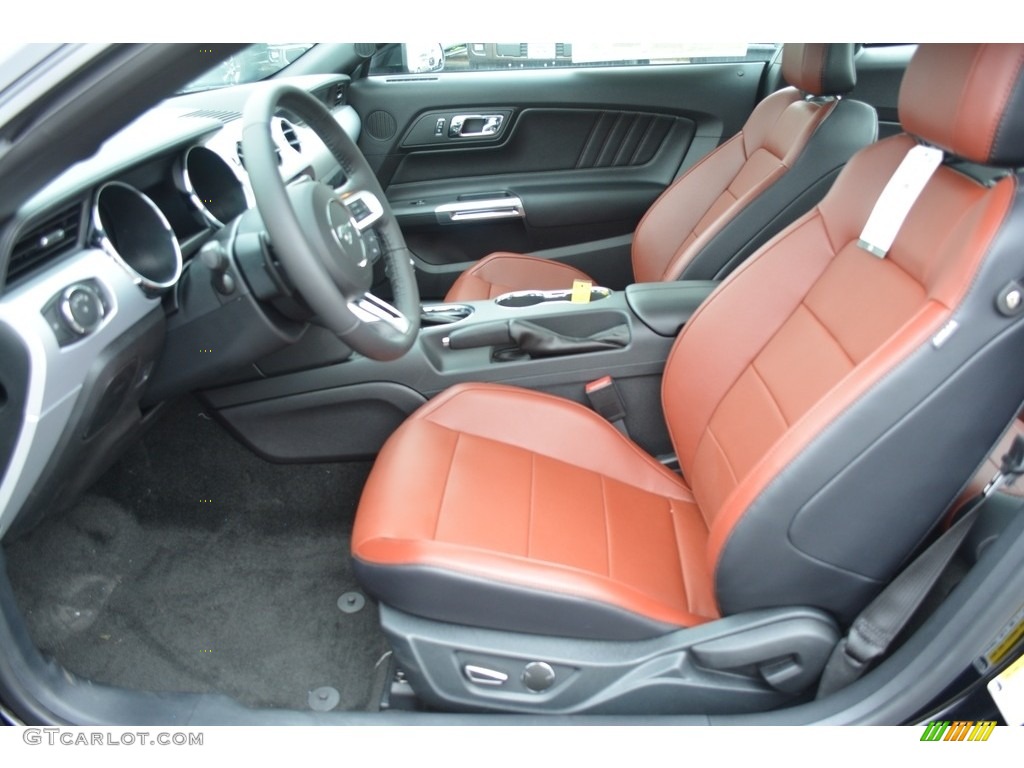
(194, 565)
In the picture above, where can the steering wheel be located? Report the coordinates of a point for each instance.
(322, 237)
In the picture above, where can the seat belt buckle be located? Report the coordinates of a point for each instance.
(1010, 468)
(604, 398)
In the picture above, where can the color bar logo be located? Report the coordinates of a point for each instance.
(958, 730)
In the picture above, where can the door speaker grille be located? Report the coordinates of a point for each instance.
(381, 125)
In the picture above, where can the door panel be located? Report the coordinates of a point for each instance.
(553, 140)
(580, 153)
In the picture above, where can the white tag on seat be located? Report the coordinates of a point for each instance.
(898, 198)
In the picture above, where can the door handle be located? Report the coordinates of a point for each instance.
(473, 126)
(508, 207)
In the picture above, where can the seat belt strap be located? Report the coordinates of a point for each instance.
(877, 626)
(897, 198)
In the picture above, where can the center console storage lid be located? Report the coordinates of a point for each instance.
(665, 307)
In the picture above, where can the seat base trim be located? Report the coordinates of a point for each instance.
(745, 663)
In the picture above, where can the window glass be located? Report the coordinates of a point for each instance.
(462, 57)
(256, 62)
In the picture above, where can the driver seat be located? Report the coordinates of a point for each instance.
(825, 404)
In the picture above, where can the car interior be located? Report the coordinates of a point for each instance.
(707, 222)
(353, 395)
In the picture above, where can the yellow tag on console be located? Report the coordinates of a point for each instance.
(581, 291)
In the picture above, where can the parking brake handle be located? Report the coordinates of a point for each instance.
(493, 334)
(536, 340)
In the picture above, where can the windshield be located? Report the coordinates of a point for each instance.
(258, 61)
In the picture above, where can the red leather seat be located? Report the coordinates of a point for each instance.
(734, 199)
(826, 405)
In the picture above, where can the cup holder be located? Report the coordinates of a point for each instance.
(444, 314)
(517, 299)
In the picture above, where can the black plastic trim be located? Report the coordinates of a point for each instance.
(342, 423)
(746, 663)
(14, 381)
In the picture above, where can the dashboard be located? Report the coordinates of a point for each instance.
(115, 291)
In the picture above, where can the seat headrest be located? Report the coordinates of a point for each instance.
(820, 69)
(967, 99)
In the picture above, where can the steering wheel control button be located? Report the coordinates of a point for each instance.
(372, 245)
(324, 699)
(359, 209)
(365, 208)
(483, 676)
(538, 676)
(351, 602)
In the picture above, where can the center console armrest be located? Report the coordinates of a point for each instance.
(665, 307)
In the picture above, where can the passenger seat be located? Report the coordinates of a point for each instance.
(720, 211)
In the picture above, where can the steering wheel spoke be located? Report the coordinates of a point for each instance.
(373, 309)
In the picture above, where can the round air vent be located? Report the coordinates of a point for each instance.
(288, 131)
(381, 125)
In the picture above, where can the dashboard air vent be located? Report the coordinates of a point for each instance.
(339, 94)
(241, 155)
(288, 130)
(333, 95)
(56, 234)
(224, 115)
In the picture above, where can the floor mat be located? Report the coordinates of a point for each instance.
(194, 565)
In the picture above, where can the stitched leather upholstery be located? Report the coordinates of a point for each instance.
(820, 68)
(978, 112)
(825, 405)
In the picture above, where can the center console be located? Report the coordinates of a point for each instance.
(536, 339)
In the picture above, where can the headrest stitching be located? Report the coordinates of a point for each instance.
(961, 102)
